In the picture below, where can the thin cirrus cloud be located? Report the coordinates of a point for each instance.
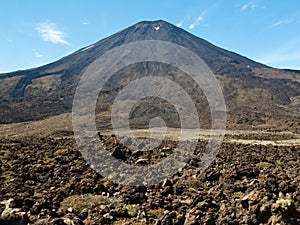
(197, 21)
(50, 33)
(282, 22)
(184, 20)
(37, 54)
(204, 13)
(179, 24)
(248, 5)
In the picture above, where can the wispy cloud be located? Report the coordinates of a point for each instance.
(179, 24)
(85, 23)
(282, 22)
(37, 54)
(197, 21)
(200, 19)
(50, 33)
(248, 5)
(182, 21)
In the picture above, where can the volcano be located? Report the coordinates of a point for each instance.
(256, 95)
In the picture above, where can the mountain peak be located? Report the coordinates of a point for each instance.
(149, 30)
(23, 93)
(153, 24)
(214, 56)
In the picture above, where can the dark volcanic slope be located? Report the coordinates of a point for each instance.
(255, 94)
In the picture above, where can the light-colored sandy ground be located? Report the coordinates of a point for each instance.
(40, 128)
(173, 134)
(63, 122)
(288, 142)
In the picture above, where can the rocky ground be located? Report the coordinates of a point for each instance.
(46, 181)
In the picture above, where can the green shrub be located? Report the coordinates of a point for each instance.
(132, 210)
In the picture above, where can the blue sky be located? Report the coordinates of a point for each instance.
(35, 32)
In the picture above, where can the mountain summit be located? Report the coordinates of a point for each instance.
(256, 95)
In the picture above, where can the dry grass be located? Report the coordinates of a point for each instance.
(80, 202)
(50, 126)
(60, 151)
(130, 221)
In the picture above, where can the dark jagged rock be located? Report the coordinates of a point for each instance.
(229, 191)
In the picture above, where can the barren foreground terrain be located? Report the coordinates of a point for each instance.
(44, 179)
